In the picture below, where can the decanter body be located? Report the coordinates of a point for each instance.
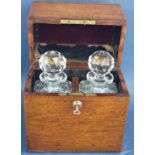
(52, 78)
(99, 79)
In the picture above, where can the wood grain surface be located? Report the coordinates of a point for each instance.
(59, 10)
(52, 127)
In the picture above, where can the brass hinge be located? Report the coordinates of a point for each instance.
(82, 22)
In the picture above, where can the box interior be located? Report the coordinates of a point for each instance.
(79, 74)
(76, 42)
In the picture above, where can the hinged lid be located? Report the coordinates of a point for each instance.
(76, 29)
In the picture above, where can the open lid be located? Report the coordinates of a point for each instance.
(76, 29)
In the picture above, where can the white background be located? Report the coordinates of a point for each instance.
(144, 74)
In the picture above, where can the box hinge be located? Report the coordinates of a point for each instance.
(82, 22)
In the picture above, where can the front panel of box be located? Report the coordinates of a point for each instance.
(52, 126)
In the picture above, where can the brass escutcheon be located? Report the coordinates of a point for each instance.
(77, 105)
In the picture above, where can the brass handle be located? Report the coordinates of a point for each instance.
(77, 105)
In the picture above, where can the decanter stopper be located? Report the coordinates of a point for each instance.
(52, 78)
(99, 79)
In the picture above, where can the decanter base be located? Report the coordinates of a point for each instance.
(53, 87)
(97, 87)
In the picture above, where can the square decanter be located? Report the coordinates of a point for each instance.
(99, 79)
(52, 78)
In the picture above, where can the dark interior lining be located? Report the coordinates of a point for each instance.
(75, 73)
(80, 35)
(81, 52)
(74, 34)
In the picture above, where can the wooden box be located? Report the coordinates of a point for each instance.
(77, 30)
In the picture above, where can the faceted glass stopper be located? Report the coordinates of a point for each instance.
(99, 79)
(52, 78)
(101, 62)
(52, 61)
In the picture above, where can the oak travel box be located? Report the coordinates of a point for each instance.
(77, 30)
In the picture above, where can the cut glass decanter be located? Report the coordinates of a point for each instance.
(99, 79)
(52, 78)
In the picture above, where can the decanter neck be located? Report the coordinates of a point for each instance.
(53, 77)
(99, 77)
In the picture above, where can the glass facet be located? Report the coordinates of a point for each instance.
(99, 79)
(52, 78)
